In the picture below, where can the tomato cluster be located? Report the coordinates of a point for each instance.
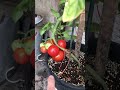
(54, 51)
(23, 51)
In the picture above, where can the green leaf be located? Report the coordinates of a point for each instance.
(45, 28)
(17, 15)
(72, 9)
(62, 2)
(29, 46)
(95, 27)
(67, 36)
(23, 6)
(55, 13)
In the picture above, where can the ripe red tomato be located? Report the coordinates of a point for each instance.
(32, 58)
(62, 43)
(43, 49)
(53, 50)
(20, 56)
(59, 57)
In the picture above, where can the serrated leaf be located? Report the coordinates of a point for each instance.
(72, 9)
(55, 13)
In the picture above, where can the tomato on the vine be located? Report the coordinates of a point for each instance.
(20, 56)
(53, 50)
(48, 43)
(62, 43)
(59, 57)
(43, 48)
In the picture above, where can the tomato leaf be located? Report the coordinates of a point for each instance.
(17, 15)
(62, 2)
(67, 36)
(22, 7)
(45, 28)
(72, 9)
(55, 13)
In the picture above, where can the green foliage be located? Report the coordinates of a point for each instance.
(55, 13)
(23, 6)
(72, 9)
(29, 46)
(67, 36)
(45, 28)
(62, 2)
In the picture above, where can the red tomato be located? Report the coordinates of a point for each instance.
(59, 57)
(62, 43)
(32, 58)
(43, 49)
(53, 50)
(20, 56)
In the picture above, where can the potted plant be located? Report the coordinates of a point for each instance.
(66, 64)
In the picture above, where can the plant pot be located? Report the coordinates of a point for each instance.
(62, 84)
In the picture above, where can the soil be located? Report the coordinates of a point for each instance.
(72, 74)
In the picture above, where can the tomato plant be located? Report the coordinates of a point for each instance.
(53, 50)
(62, 43)
(43, 48)
(48, 43)
(59, 57)
(20, 56)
